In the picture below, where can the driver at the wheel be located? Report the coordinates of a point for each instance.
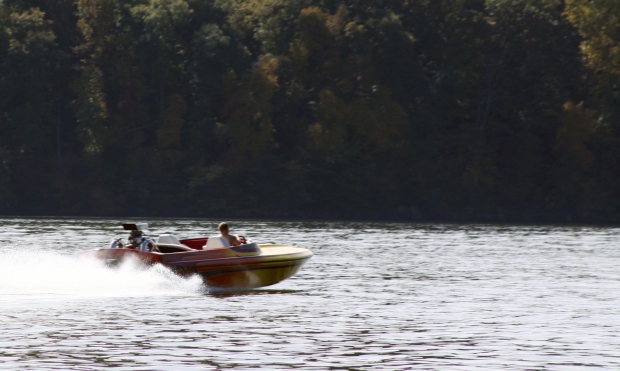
(233, 240)
(135, 239)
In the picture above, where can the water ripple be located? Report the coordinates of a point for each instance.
(376, 296)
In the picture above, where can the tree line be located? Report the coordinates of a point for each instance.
(472, 110)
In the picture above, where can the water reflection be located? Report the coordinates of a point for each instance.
(222, 293)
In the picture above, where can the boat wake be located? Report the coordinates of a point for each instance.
(39, 271)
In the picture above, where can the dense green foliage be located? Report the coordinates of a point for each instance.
(496, 110)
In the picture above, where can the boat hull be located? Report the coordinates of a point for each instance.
(276, 264)
(222, 268)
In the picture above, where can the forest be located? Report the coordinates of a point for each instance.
(425, 110)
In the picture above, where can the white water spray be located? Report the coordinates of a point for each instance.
(29, 270)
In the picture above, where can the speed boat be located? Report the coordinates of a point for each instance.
(246, 266)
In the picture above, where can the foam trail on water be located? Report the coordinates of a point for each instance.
(38, 271)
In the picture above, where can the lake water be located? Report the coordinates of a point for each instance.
(375, 296)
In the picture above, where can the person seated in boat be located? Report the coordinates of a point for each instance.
(233, 240)
(135, 239)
